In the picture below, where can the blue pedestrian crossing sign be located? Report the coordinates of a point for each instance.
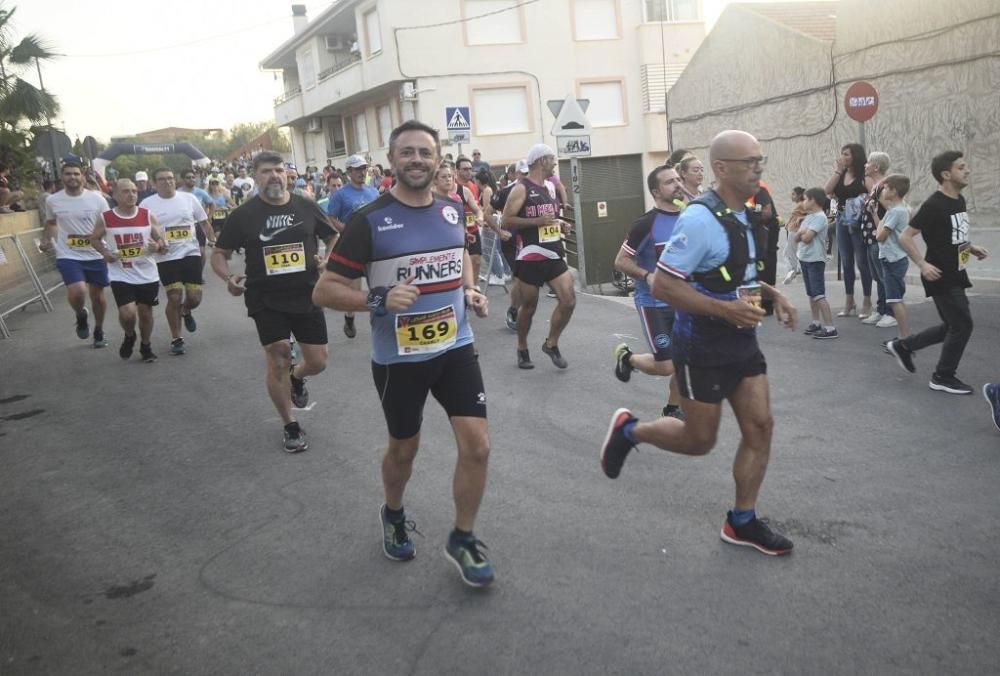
(458, 118)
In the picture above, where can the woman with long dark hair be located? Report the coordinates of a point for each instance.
(848, 185)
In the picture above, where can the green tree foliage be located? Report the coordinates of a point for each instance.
(21, 101)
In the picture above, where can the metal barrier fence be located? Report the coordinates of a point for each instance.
(26, 275)
(492, 261)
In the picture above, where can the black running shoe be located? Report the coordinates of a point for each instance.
(524, 360)
(177, 347)
(623, 365)
(511, 318)
(147, 354)
(616, 445)
(128, 345)
(904, 357)
(82, 325)
(554, 355)
(349, 329)
(812, 329)
(189, 323)
(300, 395)
(295, 438)
(756, 534)
(949, 384)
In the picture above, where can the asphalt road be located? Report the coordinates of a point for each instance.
(150, 523)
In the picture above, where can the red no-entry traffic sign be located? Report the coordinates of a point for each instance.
(861, 101)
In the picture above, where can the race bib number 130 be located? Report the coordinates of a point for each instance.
(426, 332)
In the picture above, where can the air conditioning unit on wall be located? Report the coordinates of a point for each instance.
(314, 125)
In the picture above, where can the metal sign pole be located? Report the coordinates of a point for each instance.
(581, 264)
(861, 127)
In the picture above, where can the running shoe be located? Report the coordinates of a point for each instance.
(349, 329)
(128, 345)
(757, 534)
(295, 438)
(189, 323)
(616, 445)
(82, 325)
(790, 277)
(99, 340)
(552, 294)
(826, 334)
(623, 365)
(293, 351)
(904, 357)
(949, 384)
(472, 564)
(554, 355)
(992, 393)
(886, 322)
(674, 412)
(396, 542)
(511, 318)
(873, 318)
(885, 346)
(300, 395)
(812, 329)
(524, 360)
(147, 354)
(177, 347)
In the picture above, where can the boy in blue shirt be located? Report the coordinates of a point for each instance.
(811, 238)
(891, 256)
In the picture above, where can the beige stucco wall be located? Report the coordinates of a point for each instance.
(921, 113)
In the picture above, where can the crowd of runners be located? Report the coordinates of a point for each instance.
(703, 261)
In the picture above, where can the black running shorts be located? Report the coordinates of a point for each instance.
(713, 384)
(181, 272)
(308, 328)
(144, 294)
(453, 378)
(537, 273)
(657, 325)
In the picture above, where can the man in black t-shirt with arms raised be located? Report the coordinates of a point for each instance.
(944, 224)
(279, 233)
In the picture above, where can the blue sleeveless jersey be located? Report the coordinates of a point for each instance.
(388, 242)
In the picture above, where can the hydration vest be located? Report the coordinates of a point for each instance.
(729, 276)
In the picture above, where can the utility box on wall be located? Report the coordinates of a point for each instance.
(611, 198)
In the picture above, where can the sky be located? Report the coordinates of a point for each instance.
(186, 63)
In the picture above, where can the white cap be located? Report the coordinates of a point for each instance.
(355, 161)
(522, 166)
(538, 151)
(141, 176)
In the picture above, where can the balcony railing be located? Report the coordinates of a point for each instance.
(337, 67)
(291, 93)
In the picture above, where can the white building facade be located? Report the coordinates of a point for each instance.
(363, 66)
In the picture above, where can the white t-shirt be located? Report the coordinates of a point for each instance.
(75, 217)
(178, 217)
(130, 238)
(245, 184)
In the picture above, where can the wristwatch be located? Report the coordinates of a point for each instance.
(376, 300)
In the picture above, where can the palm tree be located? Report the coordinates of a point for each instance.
(19, 99)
